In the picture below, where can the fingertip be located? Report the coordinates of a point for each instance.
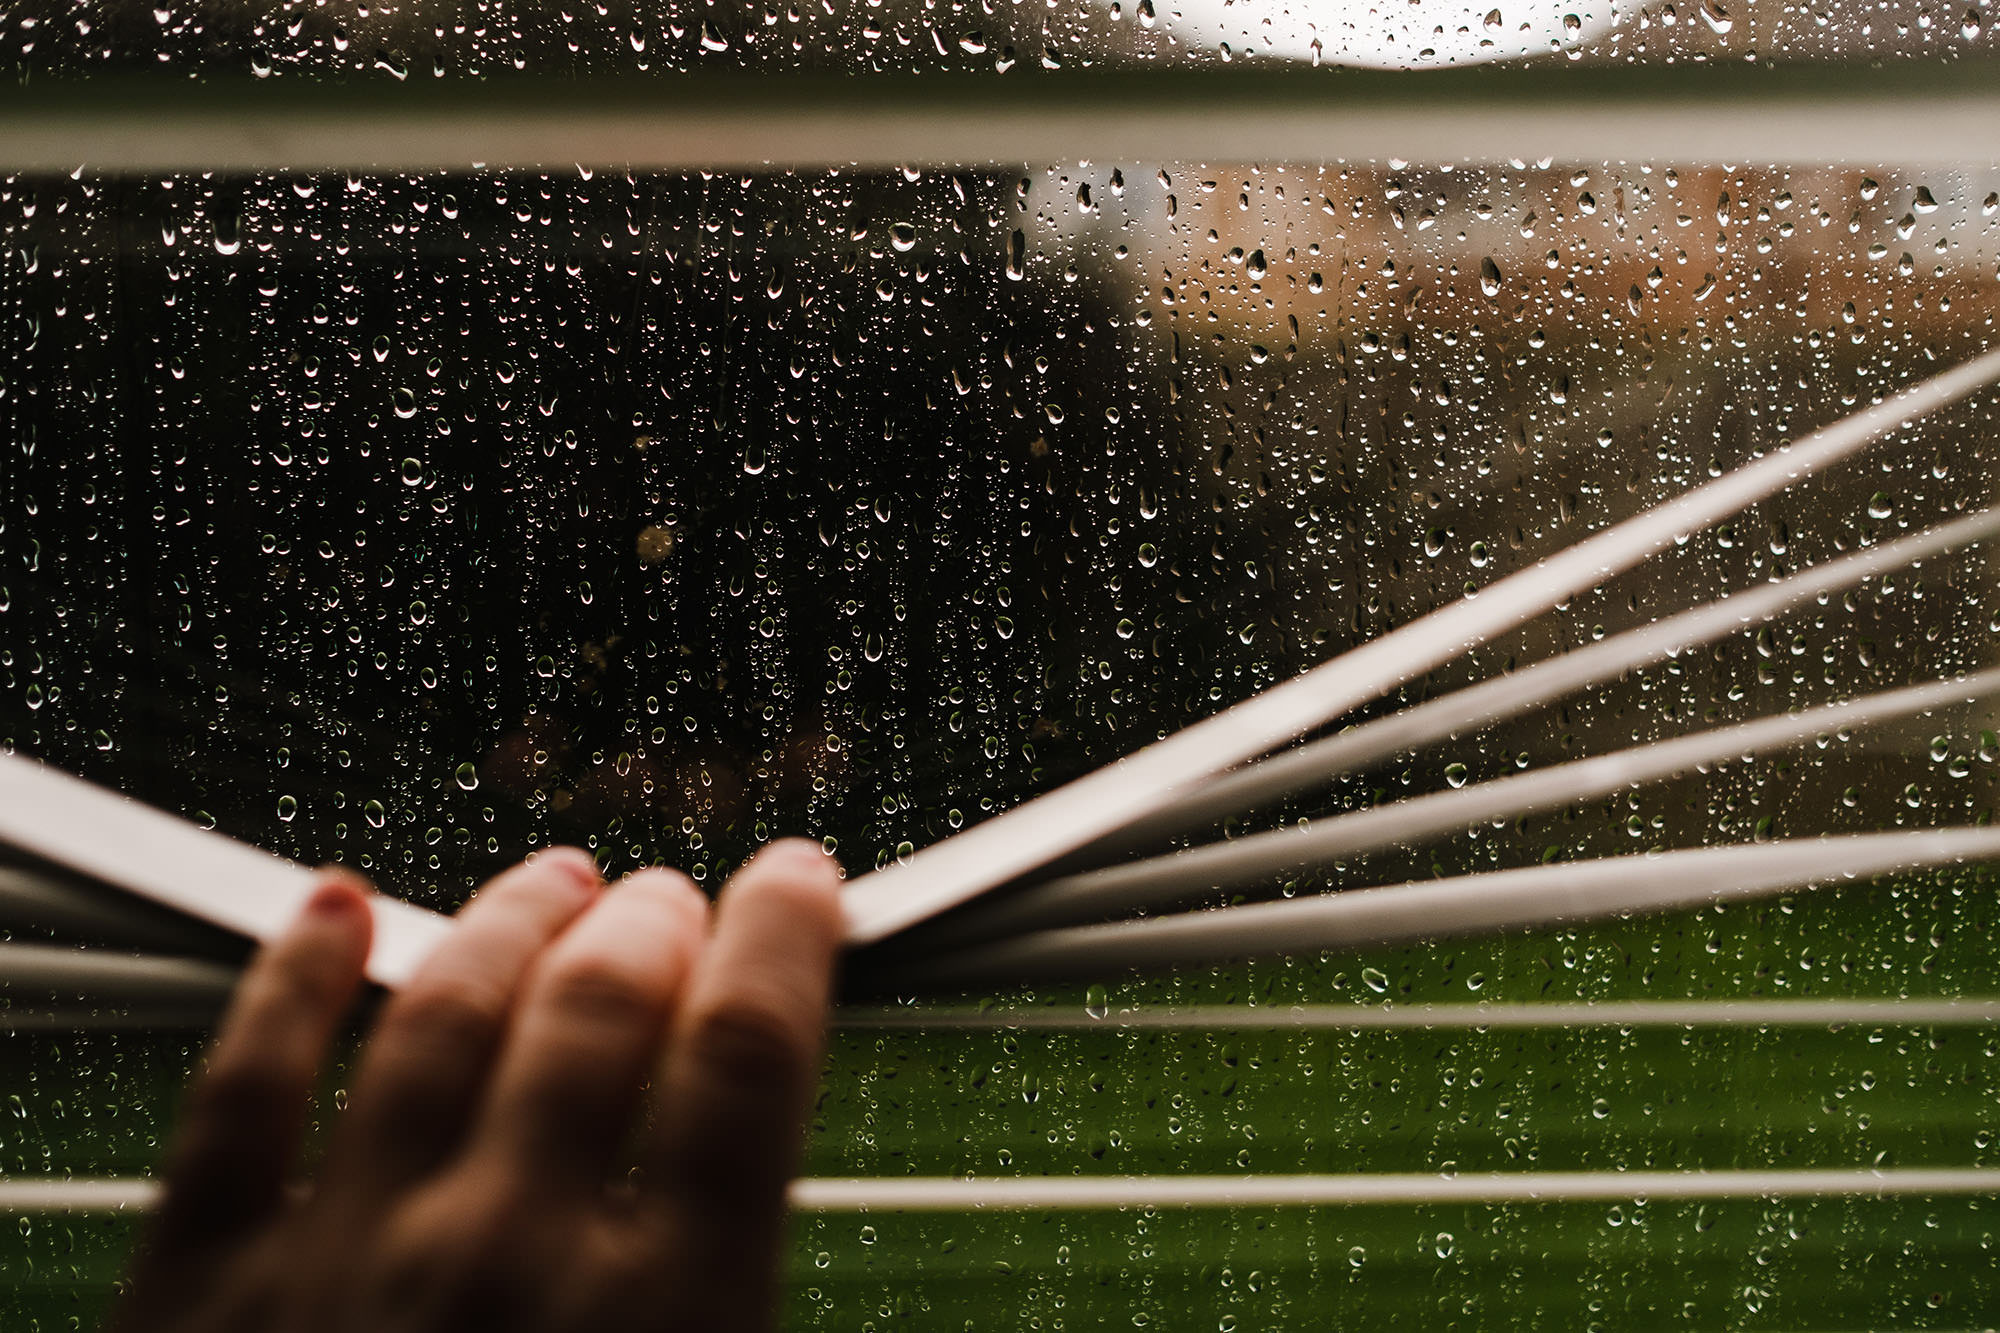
(576, 865)
(798, 861)
(807, 852)
(337, 894)
(339, 903)
(796, 878)
(676, 888)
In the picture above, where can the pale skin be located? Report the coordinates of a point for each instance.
(582, 1113)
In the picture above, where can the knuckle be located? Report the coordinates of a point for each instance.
(464, 1212)
(434, 1239)
(413, 1251)
(495, 1222)
(752, 1043)
(242, 1092)
(602, 991)
(455, 1012)
(295, 984)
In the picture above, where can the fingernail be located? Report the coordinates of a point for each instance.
(333, 898)
(577, 866)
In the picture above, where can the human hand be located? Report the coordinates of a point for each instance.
(480, 1177)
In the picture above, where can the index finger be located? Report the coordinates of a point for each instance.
(245, 1117)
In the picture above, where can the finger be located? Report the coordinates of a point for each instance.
(433, 1048)
(743, 1058)
(587, 1033)
(240, 1133)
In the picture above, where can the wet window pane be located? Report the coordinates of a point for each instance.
(416, 521)
(421, 521)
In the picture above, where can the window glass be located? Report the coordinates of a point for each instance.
(421, 521)
(418, 521)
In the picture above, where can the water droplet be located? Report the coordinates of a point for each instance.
(467, 777)
(288, 807)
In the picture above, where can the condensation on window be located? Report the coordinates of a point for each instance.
(415, 522)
